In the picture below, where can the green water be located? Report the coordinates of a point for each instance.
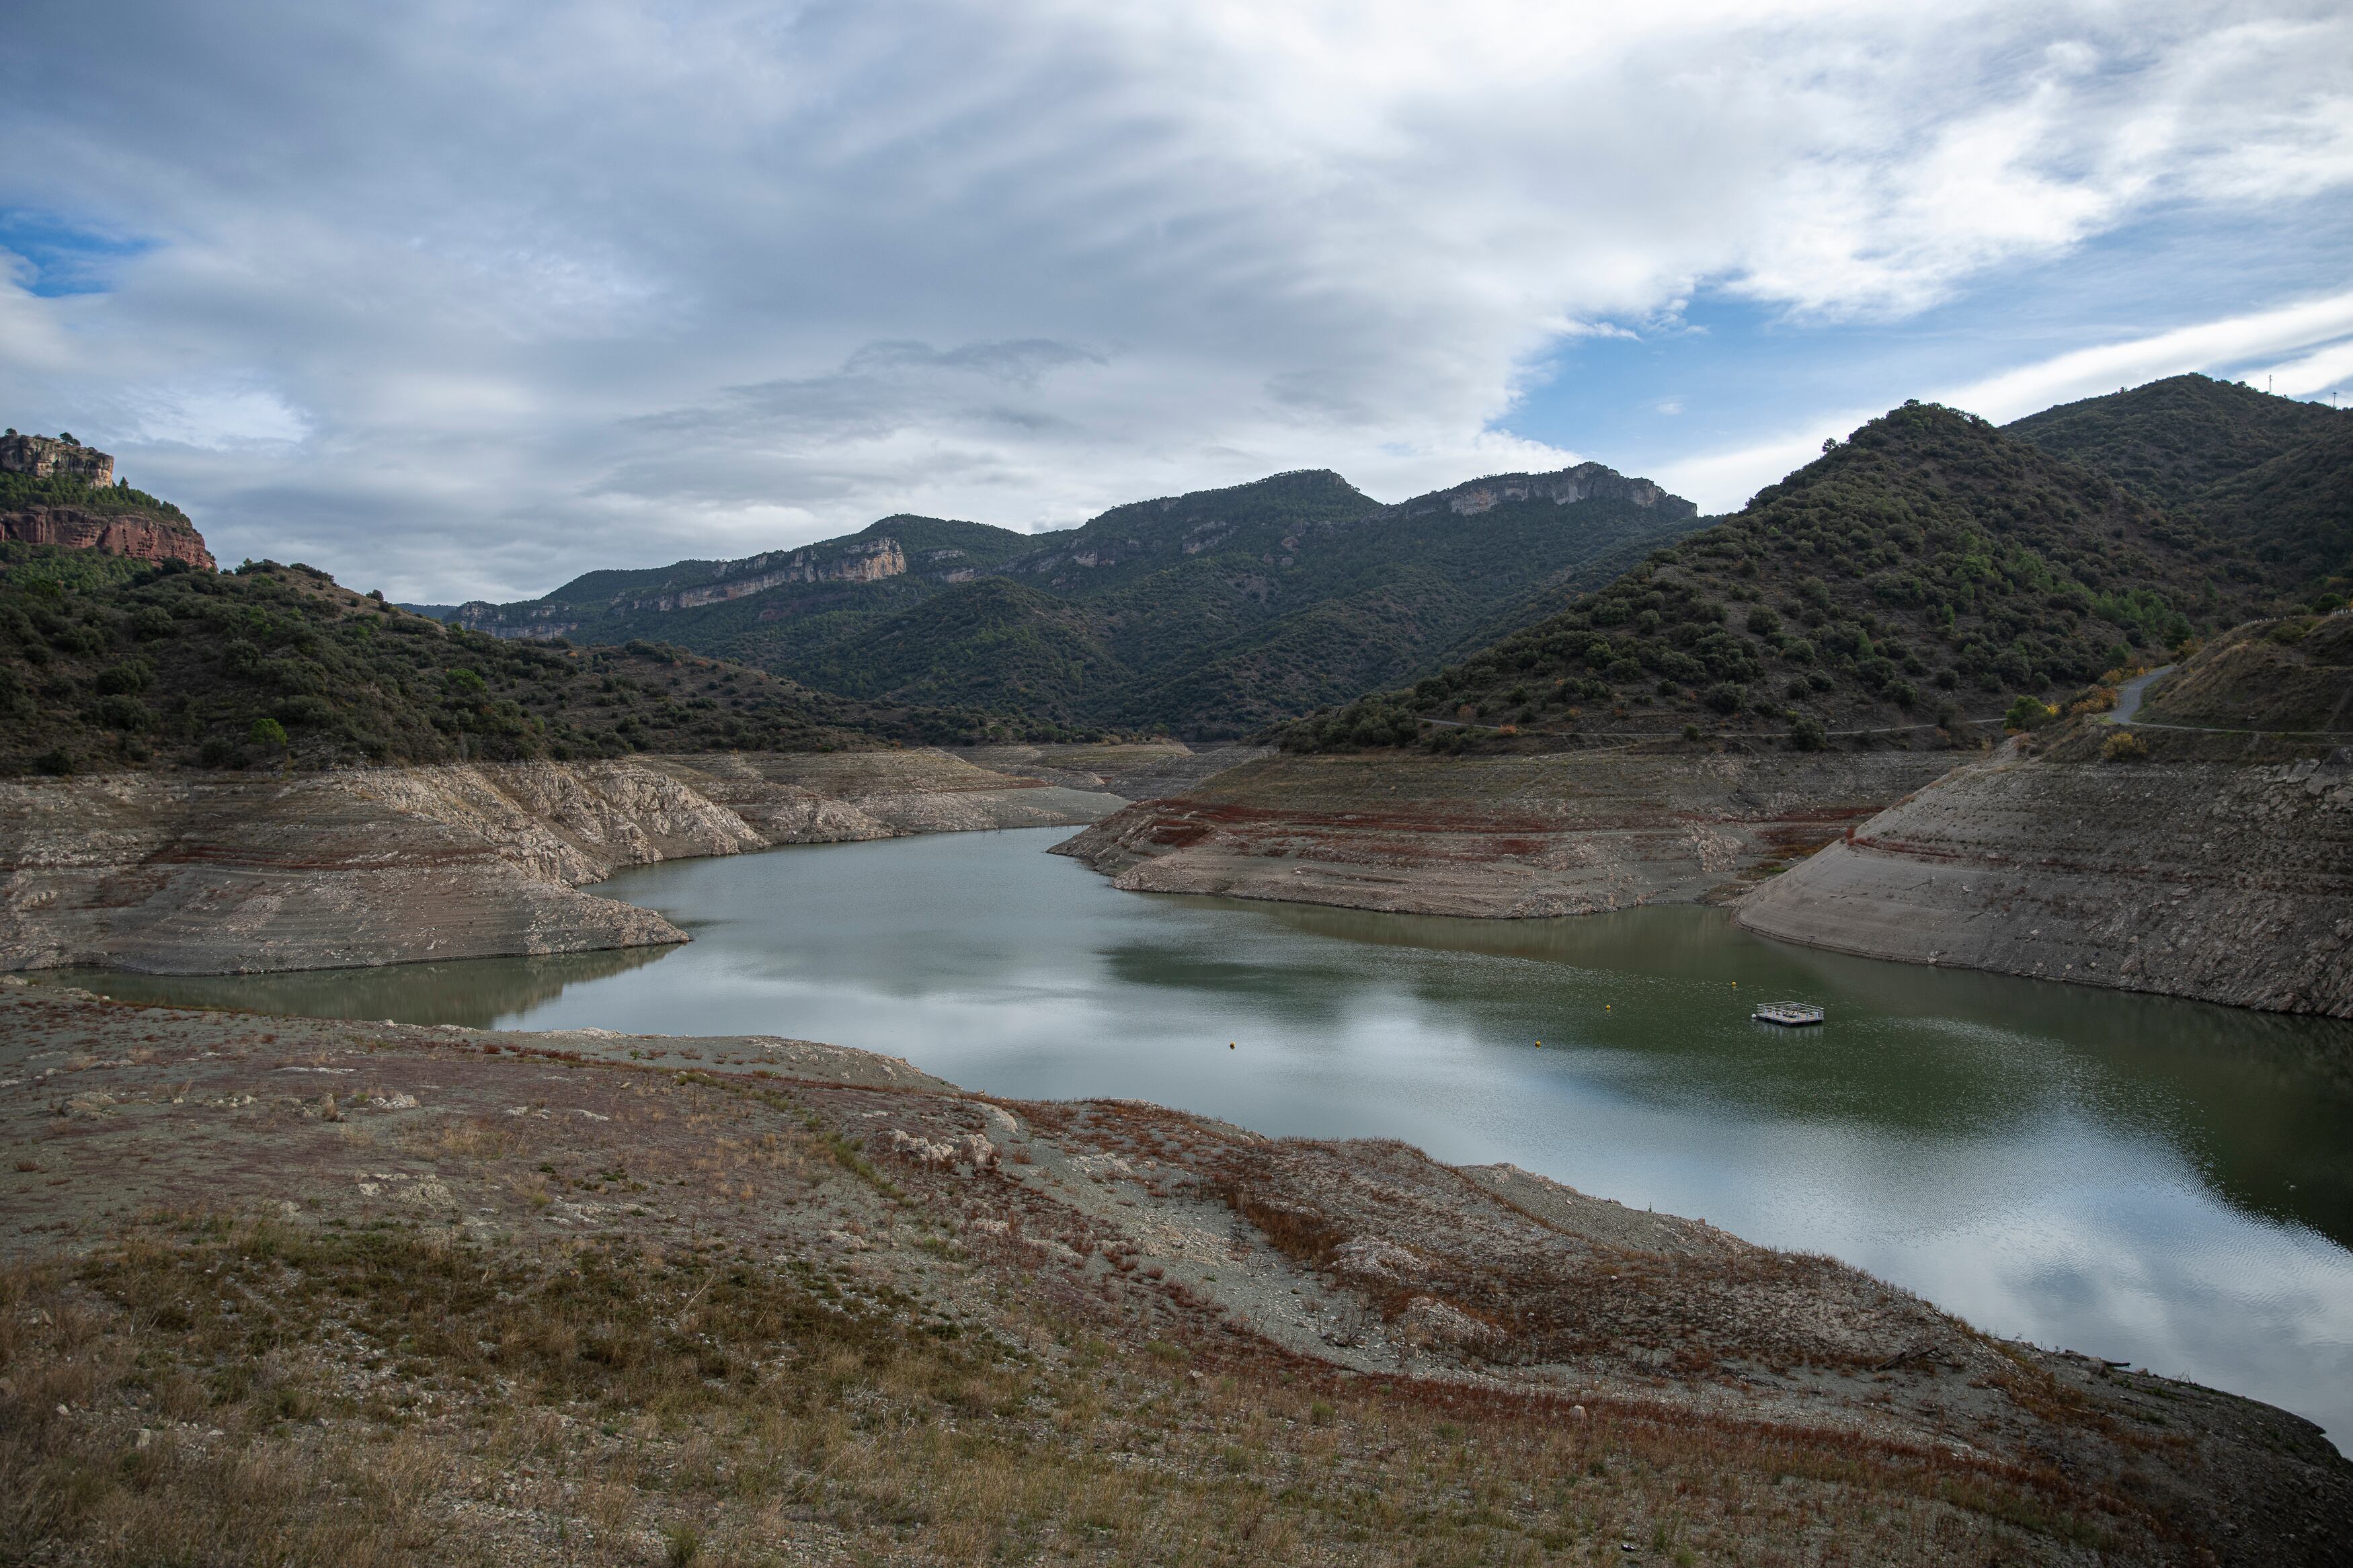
(2133, 1178)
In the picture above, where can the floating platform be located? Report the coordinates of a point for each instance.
(1790, 1013)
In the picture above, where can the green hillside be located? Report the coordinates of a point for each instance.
(109, 663)
(2294, 513)
(990, 643)
(65, 490)
(2269, 473)
(1930, 569)
(1211, 614)
(2175, 440)
(1261, 521)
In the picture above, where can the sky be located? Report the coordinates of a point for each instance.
(458, 300)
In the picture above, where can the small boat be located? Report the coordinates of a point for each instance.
(1790, 1013)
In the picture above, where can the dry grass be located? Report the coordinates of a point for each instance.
(251, 1392)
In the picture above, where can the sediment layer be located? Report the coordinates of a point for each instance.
(2225, 883)
(1502, 837)
(1132, 1268)
(187, 873)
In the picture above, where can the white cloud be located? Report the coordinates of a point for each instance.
(472, 299)
(2217, 346)
(217, 418)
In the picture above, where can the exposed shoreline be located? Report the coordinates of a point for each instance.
(237, 873)
(1500, 837)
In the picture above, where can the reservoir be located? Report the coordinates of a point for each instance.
(2152, 1181)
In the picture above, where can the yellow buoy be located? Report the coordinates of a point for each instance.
(1230, 1045)
(1539, 1045)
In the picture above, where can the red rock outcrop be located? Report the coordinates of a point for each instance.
(142, 536)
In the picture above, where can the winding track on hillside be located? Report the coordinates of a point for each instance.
(2128, 698)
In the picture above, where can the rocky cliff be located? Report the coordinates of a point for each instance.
(2184, 855)
(226, 873)
(1507, 836)
(140, 535)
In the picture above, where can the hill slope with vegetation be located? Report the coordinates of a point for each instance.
(2175, 440)
(109, 662)
(1930, 570)
(2294, 514)
(1212, 614)
(2273, 474)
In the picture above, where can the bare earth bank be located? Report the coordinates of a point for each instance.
(220, 873)
(2222, 880)
(1501, 837)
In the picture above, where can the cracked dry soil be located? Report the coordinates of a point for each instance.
(302, 1290)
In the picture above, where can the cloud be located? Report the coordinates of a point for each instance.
(2230, 344)
(459, 299)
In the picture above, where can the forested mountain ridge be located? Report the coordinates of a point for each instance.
(107, 662)
(1931, 568)
(2274, 474)
(616, 606)
(1213, 613)
(2175, 440)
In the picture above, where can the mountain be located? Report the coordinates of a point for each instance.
(1930, 569)
(825, 587)
(107, 661)
(2175, 440)
(2269, 473)
(1212, 613)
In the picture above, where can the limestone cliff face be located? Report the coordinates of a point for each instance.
(1512, 836)
(1586, 481)
(863, 561)
(142, 536)
(55, 456)
(233, 873)
(2226, 882)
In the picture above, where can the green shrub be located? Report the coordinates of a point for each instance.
(2029, 714)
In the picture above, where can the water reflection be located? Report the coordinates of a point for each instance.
(2128, 1176)
(475, 992)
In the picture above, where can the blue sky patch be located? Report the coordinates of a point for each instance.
(65, 258)
(1734, 371)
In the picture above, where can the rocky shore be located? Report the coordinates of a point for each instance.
(1572, 833)
(2202, 849)
(580, 1291)
(186, 872)
(2217, 880)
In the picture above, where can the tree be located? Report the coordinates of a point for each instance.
(2029, 714)
(268, 731)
